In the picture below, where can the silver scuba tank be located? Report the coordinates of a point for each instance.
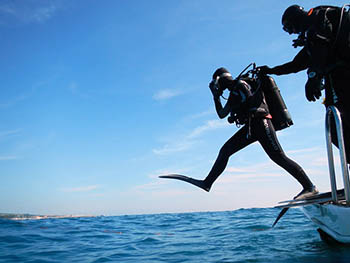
(281, 117)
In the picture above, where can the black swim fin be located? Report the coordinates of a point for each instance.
(283, 211)
(198, 183)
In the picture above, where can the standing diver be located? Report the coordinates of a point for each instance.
(324, 35)
(247, 106)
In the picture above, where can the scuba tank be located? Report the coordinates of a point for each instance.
(281, 117)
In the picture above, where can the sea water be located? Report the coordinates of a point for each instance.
(243, 235)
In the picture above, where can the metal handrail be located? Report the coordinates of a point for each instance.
(339, 128)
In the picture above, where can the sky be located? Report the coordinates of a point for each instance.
(99, 98)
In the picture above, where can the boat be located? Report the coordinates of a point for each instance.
(330, 211)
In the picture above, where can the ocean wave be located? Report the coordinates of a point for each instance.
(243, 235)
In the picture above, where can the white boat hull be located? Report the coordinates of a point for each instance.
(332, 219)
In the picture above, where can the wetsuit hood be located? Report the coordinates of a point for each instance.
(223, 79)
(294, 19)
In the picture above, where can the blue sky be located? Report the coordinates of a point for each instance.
(98, 98)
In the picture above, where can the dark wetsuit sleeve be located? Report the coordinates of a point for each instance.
(236, 98)
(218, 105)
(224, 111)
(300, 62)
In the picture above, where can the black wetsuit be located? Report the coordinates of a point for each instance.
(257, 127)
(327, 52)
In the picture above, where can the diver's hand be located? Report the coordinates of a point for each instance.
(265, 70)
(300, 41)
(313, 87)
(214, 90)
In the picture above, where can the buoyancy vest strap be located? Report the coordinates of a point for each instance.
(340, 24)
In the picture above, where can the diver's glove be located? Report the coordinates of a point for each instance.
(214, 90)
(313, 86)
(300, 41)
(265, 70)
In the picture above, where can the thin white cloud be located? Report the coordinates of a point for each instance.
(313, 156)
(87, 188)
(178, 146)
(28, 11)
(4, 135)
(5, 8)
(254, 170)
(305, 150)
(27, 93)
(14, 101)
(185, 143)
(73, 87)
(76, 90)
(44, 13)
(256, 177)
(209, 125)
(154, 185)
(202, 114)
(166, 94)
(9, 133)
(246, 169)
(8, 158)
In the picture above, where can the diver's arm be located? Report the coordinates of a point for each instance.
(222, 111)
(300, 62)
(237, 97)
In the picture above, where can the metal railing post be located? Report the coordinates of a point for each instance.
(332, 110)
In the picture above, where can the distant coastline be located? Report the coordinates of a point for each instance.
(11, 216)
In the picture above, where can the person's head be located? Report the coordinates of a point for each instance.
(294, 19)
(223, 79)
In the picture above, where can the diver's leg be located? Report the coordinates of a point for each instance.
(268, 139)
(237, 142)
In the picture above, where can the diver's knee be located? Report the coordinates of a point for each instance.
(278, 157)
(224, 152)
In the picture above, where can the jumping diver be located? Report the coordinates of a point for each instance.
(247, 106)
